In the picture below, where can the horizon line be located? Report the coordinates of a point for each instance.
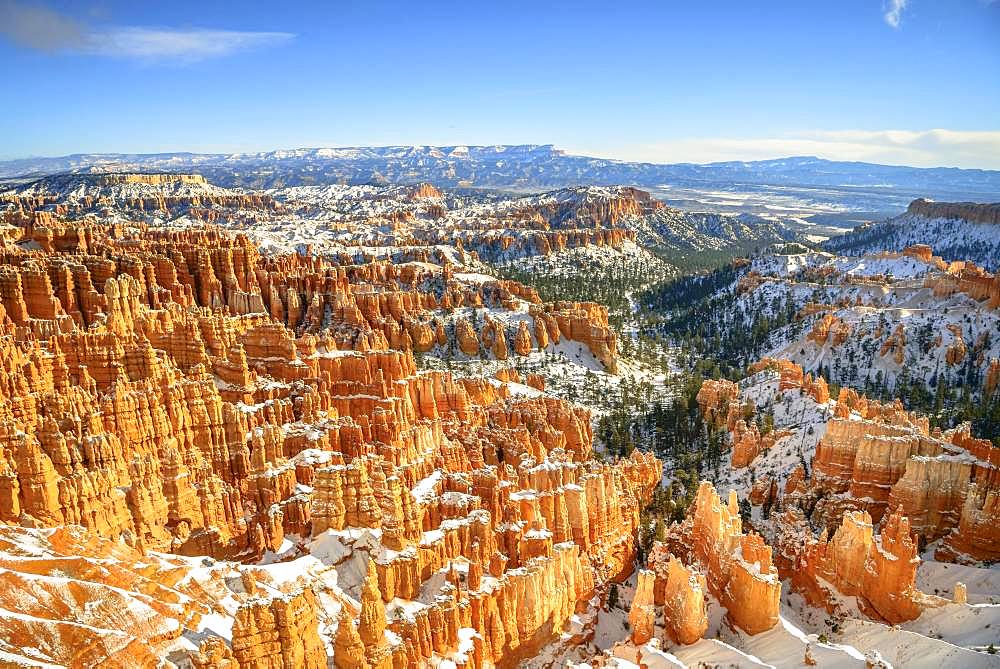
(551, 145)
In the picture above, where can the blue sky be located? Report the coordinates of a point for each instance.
(898, 81)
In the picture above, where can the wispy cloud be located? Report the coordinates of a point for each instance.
(894, 11)
(922, 148)
(161, 43)
(40, 28)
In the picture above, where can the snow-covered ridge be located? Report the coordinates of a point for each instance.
(117, 186)
(951, 238)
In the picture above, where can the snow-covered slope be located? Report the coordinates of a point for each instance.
(74, 188)
(879, 323)
(675, 232)
(951, 238)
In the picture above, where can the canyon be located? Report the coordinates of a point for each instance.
(175, 392)
(315, 426)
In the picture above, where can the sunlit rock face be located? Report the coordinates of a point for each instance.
(878, 569)
(715, 399)
(642, 613)
(585, 322)
(682, 592)
(977, 536)
(278, 631)
(179, 392)
(737, 567)
(965, 277)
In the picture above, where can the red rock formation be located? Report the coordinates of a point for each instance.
(880, 571)
(349, 650)
(642, 614)
(956, 351)
(895, 345)
(585, 322)
(71, 598)
(992, 379)
(468, 342)
(829, 328)
(892, 461)
(790, 374)
(714, 399)
(738, 566)
(872, 458)
(748, 443)
(977, 537)
(279, 632)
(536, 381)
(180, 392)
(682, 592)
(522, 340)
(967, 278)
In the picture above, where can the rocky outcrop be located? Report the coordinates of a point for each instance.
(278, 632)
(536, 381)
(178, 391)
(872, 457)
(967, 278)
(494, 339)
(991, 381)
(977, 535)
(829, 328)
(522, 340)
(879, 570)
(349, 649)
(507, 243)
(585, 322)
(880, 476)
(921, 252)
(957, 350)
(465, 335)
(988, 214)
(715, 398)
(151, 178)
(71, 598)
(895, 345)
(875, 462)
(738, 567)
(642, 613)
(682, 591)
(748, 443)
(893, 461)
(372, 623)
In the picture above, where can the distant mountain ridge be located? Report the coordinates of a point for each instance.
(519, 167)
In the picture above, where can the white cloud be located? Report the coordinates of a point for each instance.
(156, 44)
(924, 148)
(43, 29)
(894, 11)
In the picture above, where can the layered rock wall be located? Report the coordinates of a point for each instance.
(988, 214)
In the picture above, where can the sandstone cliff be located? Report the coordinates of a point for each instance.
(970, 211)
